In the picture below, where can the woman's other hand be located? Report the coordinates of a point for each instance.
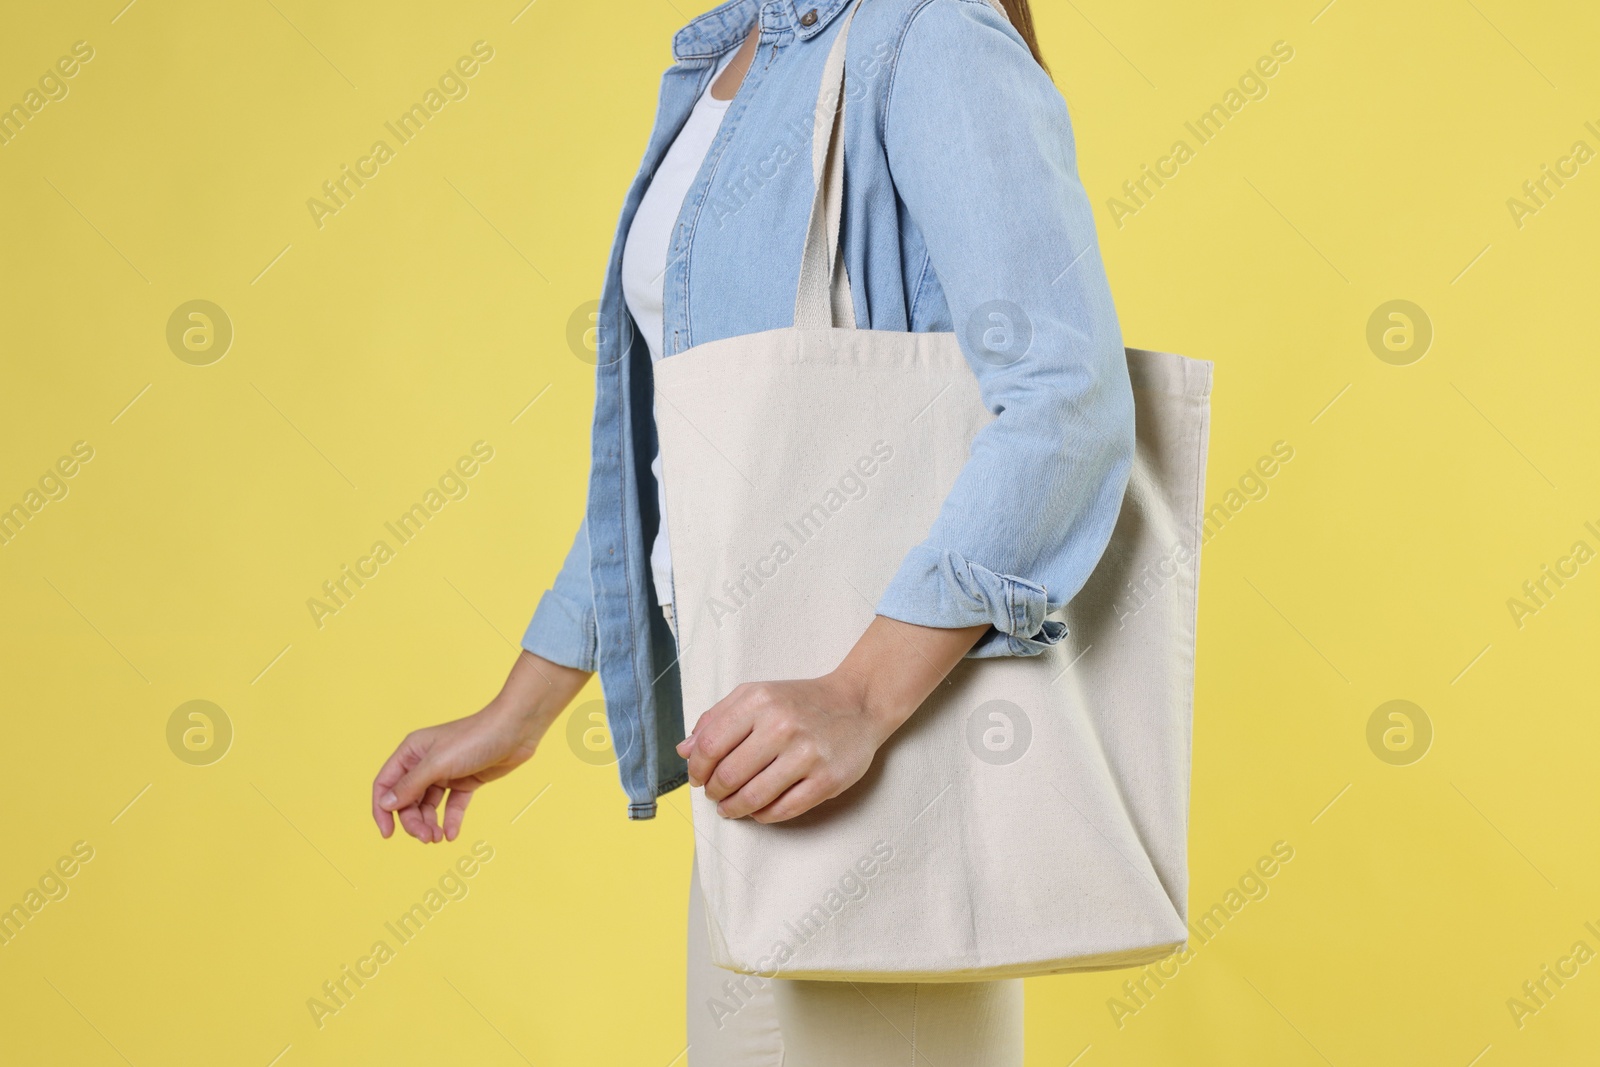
(442, 766)
(772, 750)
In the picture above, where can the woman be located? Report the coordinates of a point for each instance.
(962, 212)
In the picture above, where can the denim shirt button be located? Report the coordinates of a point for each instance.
(809, 18)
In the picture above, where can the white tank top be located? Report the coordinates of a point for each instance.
(644, 265)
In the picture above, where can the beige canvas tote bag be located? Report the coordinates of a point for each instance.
(1030, 818)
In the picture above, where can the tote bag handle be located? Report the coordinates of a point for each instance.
(823, 298)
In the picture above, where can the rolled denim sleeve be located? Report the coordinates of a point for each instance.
(562, 629)
(980, 147)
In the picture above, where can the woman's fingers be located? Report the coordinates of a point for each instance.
(384, 819)
(411, 821)
(393, 770)
(750, 758)
(455, 809)
(764, 787)
(414, 783)
(720, 730)
(429, 806)
(796, 800)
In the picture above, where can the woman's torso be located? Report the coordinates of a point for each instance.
(733, 260)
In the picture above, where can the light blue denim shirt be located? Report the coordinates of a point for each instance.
(962, 212)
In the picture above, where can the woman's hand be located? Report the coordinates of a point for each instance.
(772, 750)
(805, 741)
(460, 756)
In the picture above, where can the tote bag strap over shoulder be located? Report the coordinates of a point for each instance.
(823, 298)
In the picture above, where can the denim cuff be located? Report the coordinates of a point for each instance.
(562, 632)
(938, 587)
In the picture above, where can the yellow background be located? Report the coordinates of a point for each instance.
(427, 315)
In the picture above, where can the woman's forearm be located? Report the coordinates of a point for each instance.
(536, 692)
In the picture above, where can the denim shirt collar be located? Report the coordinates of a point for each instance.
(725, 25)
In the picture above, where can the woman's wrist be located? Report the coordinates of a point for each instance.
(895, 665)
(534, 694)
(885, 712)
